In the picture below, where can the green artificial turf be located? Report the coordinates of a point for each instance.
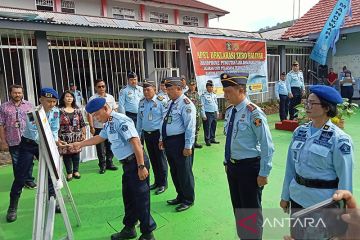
(99, 201)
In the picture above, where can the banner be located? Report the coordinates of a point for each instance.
(214, 56)
(330, 33)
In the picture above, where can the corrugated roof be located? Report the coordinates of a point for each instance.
(274, 34)
(90, 21)
(314, 20)
(192, 4)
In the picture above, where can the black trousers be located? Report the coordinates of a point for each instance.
(136, 198)
(296, 100)
(180, 168)
(71, 162)
(28, 150)
(347, 92)
(246, 195)
(209, 126)
(157, 157)
(14, 153)
(103, 150)
(133, 116)
(283, 107)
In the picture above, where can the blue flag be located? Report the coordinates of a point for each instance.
(330, 33)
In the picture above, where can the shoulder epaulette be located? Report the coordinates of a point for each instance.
(160, 98)
(187, 101)
(251, 107)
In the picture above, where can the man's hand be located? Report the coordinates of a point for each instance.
(76, 146)
(61, 144)
(4, 146)
(187, 152)
(143, 173)
(284, 205)
(92, 130)
(262, 181)
(161, 145)
(291, 95)
(204, 118)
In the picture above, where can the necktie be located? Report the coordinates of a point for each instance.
(229, 135)
(163, 129)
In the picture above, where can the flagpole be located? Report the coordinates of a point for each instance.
(293, 21)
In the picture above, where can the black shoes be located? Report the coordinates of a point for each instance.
(11, 215)
(173, 202)
(102, 170)
(208, 144)
(112, 167)
(147, 236)
(57, 208)
(30, 185)
(196, 145)
(214, 141)
(153, 186)
(160, 190)
(183, 207)
(125, 233)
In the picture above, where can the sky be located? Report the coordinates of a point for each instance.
(251, 15)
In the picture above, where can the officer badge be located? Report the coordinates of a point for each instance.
(257, 122)
(110, 119)
(160, 98)
(124, 128)
(49, 95)
(186, 100)
(326, 127)
(251, 107)
(345, 148)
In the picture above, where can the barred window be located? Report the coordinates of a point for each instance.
(68, 6)
(191, 21)
(123, 13)
(159, 17)
(45, 5)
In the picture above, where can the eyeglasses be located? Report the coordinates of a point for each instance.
(101, 86)
(309, 105)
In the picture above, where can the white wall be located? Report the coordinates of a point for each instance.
(25, 4)
(88, 7)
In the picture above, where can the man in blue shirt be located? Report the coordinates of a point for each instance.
(29, 149)
(152, 109)
(130, 96)
(125, 144)
(248, 152)
(209, 113)
(79, 100)
(296, 88)
(281, 94)
(177, 137)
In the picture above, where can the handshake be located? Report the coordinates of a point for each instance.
(69, 147)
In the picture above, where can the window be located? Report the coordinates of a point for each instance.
(158, 17)
(123, 13)
(45, 5)
(68, 6)
(190, 21)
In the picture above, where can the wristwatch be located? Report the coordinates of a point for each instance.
(141, 166)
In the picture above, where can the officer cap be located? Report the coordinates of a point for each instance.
(147, 84)
(229, 80)
(173, 81)
(72, 84)
(295, 63)
(162, 81)
(327, 93)
(182, 77)
(192, 82)
(95, 105)
(209, 83)
(132, 74)
(283, 73)
(49, 93)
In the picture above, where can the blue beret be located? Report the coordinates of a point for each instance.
(173, 81)
(131, 74)
(49, 93)
(235, 79)
(95, 105)
(327, 93)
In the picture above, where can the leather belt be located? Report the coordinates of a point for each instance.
(128, 159)
(151, 132)
(244, 160)
(28, 140)
(317, 183)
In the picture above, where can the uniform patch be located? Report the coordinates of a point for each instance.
(322, 143)
(187, 101)
(160, 98)
(251, 107)
(110, 119)
(124, 128)
(326, 127)
(345, 148)
(188, 110)
(257, 122)
(325, 136)
(343, 140)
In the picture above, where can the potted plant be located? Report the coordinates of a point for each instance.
(344, 109)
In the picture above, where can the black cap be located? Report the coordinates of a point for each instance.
(147, 84)
(192, 82)
(209, 83)
(173, 81)
(283, 73)
(131, 74)
(235, 79)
